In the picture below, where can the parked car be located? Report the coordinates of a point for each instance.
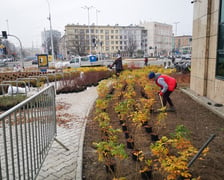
(35, 61)
(3, 63)
(186, 56)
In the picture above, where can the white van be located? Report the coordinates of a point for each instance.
(79, 61)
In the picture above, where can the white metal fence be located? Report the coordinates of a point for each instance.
(27, 132)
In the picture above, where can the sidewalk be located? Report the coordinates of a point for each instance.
(67, 165)
(209, 104)
(60, 163)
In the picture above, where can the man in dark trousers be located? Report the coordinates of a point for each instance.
(146, 61)
(168, 84)
(118, 65)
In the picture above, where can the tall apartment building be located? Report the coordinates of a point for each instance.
(159, 37)
(108, 40)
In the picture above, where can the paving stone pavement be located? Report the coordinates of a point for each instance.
(67, 164)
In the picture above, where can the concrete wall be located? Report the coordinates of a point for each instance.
(204, 47)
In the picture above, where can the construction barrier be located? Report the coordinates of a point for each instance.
(27, 132)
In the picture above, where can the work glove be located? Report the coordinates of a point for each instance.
(161, 93)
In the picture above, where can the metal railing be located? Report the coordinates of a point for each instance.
(27, 132)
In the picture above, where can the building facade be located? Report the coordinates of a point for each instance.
(107, 40)
(159, 37)
(183, 44)
(207, 64)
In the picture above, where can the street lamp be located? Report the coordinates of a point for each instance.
(176, 26)
(176, 35)
(97, 11)
(52, 44)
(88, 8)
(21, 49)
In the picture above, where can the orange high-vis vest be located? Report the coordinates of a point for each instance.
(170, 81)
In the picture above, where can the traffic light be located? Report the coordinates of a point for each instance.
(4, 34)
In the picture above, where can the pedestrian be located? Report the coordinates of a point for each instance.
(167, 84)
(146, 61)
(173, 59)
(118, 65)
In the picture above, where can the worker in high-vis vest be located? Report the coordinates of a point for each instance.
(167, 84)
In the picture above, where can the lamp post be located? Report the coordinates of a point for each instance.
(88, 8)
(97, 11)
(51, 34)
(176, 26)
(7, 23)
(176, 35)
(21, 49)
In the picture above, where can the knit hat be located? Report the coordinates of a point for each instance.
(151, 75)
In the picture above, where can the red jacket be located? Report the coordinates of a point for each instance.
(170, 81)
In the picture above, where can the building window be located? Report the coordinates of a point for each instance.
(220, 46)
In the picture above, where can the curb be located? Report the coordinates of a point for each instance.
(205, 102)
(78, 173)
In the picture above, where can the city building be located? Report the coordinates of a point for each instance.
(159, 37)
(106, 40)
(183, 44)
(207, 63)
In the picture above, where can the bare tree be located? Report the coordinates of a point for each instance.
(131, 45)
(78, 44)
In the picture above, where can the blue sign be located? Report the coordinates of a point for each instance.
(92, 58)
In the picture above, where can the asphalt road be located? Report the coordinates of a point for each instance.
(137, 62)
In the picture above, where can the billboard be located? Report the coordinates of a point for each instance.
(42, 62)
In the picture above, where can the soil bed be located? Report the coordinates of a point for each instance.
(197, 119)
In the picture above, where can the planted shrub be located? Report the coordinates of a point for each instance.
(7, 102)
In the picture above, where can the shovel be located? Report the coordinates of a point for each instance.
(160, 97)
(162, 105)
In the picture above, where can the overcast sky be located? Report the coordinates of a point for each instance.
(27, 18)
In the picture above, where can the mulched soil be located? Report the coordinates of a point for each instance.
(197, 119)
